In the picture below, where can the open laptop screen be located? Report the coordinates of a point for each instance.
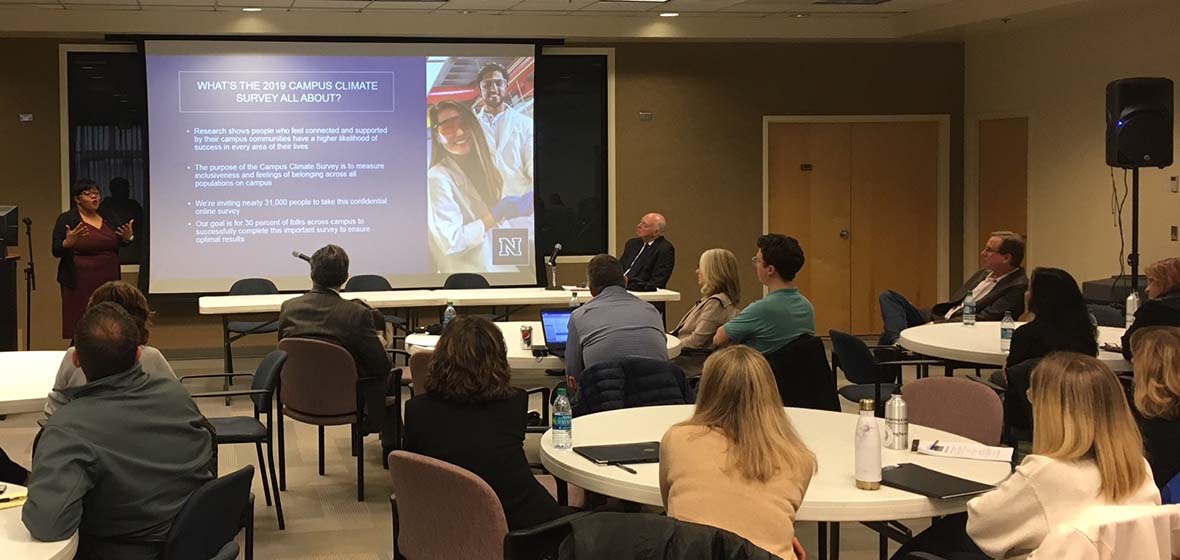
(555, 324)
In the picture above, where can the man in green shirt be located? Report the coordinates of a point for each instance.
(784, 314)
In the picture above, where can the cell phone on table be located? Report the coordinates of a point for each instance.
(1111, 347)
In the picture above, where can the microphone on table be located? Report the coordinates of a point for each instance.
(299, 255)
(553, 257)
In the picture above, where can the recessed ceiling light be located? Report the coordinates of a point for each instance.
(88, 68)
(97, 77)
(467, 11)
(800, 15)
(669, 14)
(124, 101)
(251, 9)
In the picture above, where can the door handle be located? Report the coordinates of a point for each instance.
(844, 234)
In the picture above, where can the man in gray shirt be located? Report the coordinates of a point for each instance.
(119, 460)
(614, 324)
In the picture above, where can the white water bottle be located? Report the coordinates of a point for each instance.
(449, 314)
(969, 309)
(868, 448)
(1132, 307)
(563, 421)
(897, 422)
(1007, 327)
(573, 299)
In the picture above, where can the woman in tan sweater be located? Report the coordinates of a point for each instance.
(717, 274)
(737, 464)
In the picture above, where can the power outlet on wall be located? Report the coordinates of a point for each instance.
(1175, 184)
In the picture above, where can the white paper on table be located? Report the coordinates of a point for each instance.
(575, 288)
(963, 450)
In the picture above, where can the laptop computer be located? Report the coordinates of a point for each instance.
(621, 453)
(930, 483)
(555, 326)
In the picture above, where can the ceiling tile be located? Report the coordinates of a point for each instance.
(481, 5)
(407, 6)
(102, 2)
(276, 4)
(551, 5)
(684, 6)
(623, 7)
(112, 7)
(330, 4)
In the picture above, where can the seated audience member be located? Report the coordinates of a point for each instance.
(1162, 307)
(738, 464)
(648, 259)
(11, 472)
(613, 324)
(119, 461)
(323, 314)
(1060, 320)
(1157, 398)
(1086, 451)
(471, 417)
(134, 303)
(998, 287)
(717, 275)
(784, 314)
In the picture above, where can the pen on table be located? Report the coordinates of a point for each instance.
(625, 467)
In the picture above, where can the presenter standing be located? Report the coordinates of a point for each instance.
(87, 241)
(466, 193)
(509, 132)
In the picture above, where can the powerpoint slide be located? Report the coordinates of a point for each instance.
(417, 159)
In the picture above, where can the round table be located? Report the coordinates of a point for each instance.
(16, 542)
(26, 379)
(519, 358)
(980, 343)
(832, 495)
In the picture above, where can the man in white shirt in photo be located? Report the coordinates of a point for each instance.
(997, 288)
(509, 131)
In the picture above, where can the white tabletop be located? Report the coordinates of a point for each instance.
(980, 343)
(16, 542)
(832, 495)
(519, 357)
(25, 380)
(270, 303)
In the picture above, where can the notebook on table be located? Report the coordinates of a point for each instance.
(555, 325)
(621, 453)
(930, 483)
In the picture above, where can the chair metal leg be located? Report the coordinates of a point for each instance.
(249, 538)
(321, 430)
(358, 445)
(262, 467)
(282, 449)
(274, 484)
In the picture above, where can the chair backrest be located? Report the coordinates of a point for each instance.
(1017, 410)
(857, 361)
(607, 534)
(803, 375)
(956, 405)
(265, 377)
(211, 517)
(420, 370)
(1106, 315)
(465, 281)
(444, 511)
(1170, 493)
(253, 287)
(1115, 532)
(319, 378)
(367, 283)
(631, 382)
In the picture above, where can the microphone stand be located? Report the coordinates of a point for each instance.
(30, 286)
(553, 285)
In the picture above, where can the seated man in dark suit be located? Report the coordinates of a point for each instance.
(648, 260)
(322, 314)
(119, 460)
(998, 288)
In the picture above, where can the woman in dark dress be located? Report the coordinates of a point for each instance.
(1162, 307)
(1157, 398)
(471, 417)
(87, 242)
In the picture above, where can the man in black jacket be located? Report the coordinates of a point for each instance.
(998, 288)
(648, 260)
(322, 314)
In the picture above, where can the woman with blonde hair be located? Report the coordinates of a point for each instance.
(1086, 452)
(1157, 398)
(738, 464)
(1162, 308)
(717, 275)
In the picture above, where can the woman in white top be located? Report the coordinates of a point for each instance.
(1086, 451)
(131, 299)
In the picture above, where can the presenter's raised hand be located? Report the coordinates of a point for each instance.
(126, 231)
(73, 234)
(511, 207)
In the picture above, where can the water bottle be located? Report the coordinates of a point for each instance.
(563, 422)
(573, 299)
(1007, 326)
(449, 314)
(897, 422)
(1132, 307)
(969, 310)
(868, 448)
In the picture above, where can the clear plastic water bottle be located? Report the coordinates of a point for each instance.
(1007, 327)
(449, 314)
(868, 448)
(969, 309)
(573, 299)
(563, 421)
(1132, 307)
(897, 422)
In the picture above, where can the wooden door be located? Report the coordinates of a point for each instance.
(894, 225)
(808, 199)
(1003, 176)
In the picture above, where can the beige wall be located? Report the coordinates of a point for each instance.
(1056, 76)
(699, 160)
